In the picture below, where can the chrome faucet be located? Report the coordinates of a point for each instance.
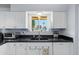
(33, 36)
(38, 36)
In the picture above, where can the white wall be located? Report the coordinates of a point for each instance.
(78, 26)
(70, 30)
(71, 26)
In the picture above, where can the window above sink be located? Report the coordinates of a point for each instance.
(39, 21)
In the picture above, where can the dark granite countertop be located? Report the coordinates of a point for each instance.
(24, 38)
(29, 38)
(58, 40)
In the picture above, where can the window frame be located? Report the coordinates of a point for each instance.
(45, 13)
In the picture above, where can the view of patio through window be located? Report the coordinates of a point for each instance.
(39, 23)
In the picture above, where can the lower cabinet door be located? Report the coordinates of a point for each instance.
(62, 48)
(3, 49)
(26, 49)
(39, 48)
(21, 49)
(16, 49)
(11, 48)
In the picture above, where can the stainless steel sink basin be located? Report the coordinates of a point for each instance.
(39, 38)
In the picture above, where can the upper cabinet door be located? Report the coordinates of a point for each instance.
(59, 20)
(20, 19)
(15, 20)
(12, 19)
(2, 19)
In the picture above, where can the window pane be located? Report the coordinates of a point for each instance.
(43, 25)
(35, 25)
(39, 24)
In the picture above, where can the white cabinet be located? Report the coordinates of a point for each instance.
(12, 19)
(37, 48)
(21, 49)
(15, 20)
(20, 19)
(30, 48)
(10, 48)
(13, 49)
(2, 19)
(7, 19)
(3, 50)
(40, 48)
(59, 19)
(55, 19)
(16, 48)
(63, 48)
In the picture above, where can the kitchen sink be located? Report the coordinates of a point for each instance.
(34, 39)
(39, 38)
